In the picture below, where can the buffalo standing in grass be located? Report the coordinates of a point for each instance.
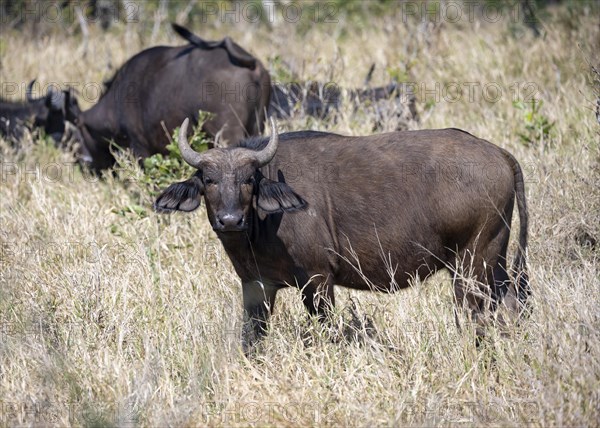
(163, 85)
(395, 101)
(48, 112)
(314, 209)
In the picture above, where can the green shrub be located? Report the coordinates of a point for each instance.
(538, 129)
(159, 171)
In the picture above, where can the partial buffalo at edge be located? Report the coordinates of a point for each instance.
(48, 112)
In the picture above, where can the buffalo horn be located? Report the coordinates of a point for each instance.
(265, 155)
(29, 92)
(187, 153)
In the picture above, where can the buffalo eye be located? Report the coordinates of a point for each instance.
(249, 180)
(208, 180)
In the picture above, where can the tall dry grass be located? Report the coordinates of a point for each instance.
(113, 315)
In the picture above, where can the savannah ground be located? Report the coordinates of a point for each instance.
(113, 315)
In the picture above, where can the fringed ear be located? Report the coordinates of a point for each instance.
(55, 100)
(278, 197)
(184, 196)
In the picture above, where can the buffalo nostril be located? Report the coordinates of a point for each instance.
(231, 220)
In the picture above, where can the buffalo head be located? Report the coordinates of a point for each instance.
(52, 110)
(232, 185)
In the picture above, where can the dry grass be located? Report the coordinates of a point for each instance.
(112, 315)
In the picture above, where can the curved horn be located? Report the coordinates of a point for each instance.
(187, 153)
(217, 143)
(265, 155)
(29, 92)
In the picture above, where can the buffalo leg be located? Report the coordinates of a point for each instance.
(318, 297)
(496, 277)
(259, 300)
(487, 266)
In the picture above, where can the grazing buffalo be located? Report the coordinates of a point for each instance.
(157, 88)
(48, 112)
(314, 209)
(317, 99)
(395, 103)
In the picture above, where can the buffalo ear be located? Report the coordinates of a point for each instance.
(183, 196)
(278, 197)
(72, 106)
(55, 100)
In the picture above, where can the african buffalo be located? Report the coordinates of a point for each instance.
(315, 99)
(163, 85)
(48, 112)
(314, 209)
(321, 100)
